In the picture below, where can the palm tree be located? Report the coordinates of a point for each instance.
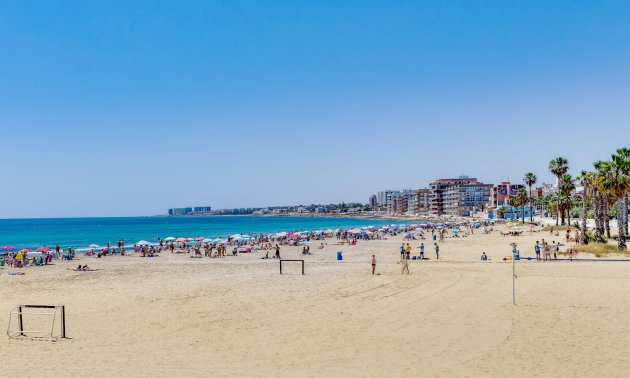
(586, 178)
(624, 159)
(523, 198)
(530, 179)
(616, 182)
(606, 199)
(514, 202)
(559, 167)
(553, 204)
(566, 187)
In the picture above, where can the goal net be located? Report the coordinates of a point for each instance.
(299, 264)
(37, 321)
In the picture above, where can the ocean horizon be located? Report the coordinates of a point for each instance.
(81, 232)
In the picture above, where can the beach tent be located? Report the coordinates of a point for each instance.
(143, 242)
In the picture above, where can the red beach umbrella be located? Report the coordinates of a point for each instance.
(8, 248)
(42, 249)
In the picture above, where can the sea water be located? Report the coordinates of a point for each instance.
(81, 232)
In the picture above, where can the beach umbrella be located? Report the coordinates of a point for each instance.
(181, 240)
(67, 249)
(454, 232)
(42, 249)
(199, 239)
(93, 246)
(8, 248)
(170, 238)
(143, 242)
(206, 241)
(26, 250)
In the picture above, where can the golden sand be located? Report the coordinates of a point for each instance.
(177, 316)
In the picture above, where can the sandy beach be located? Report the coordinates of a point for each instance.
(177, 316)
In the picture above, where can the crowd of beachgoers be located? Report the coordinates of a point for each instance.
(245, 243)
(236, 244)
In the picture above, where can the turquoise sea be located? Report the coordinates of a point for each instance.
(81, 232)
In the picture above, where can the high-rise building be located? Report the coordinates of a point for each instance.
(373, 201)
(422, 201)
(458, 196)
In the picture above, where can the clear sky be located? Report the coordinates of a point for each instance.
(131, 107)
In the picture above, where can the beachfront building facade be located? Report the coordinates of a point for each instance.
(373, 201)
(459, 196)
(196, 210)
(501, 192)
(399, 204)
(422, 201)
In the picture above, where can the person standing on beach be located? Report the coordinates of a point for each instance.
(421, 251)
(537, 250)
(373, 263)
(277, 251)
(556, 251)
(402, 251)
(408, 251)
(437, 251)
(405, 266)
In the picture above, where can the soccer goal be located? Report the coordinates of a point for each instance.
(292, 261)
(37, 321)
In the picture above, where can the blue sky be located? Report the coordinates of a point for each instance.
(128, 108)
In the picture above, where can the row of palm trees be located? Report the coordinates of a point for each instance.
(606, 187)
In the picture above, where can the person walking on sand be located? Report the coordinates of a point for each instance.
(421, 251)
(405, 266)
(277, 256)
(556, 251)
(373, 264)
(408, 251)
(437, 251)
(402, 251)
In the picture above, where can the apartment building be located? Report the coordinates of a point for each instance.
(459, 196)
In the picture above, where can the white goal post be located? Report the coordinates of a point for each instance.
(22, 318)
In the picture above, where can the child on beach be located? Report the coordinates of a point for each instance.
(405, 266)
(437, 251)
